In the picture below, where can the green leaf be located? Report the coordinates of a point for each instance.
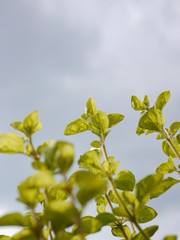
(175, 126)
(114, 119)
(90, 186)
(112, 197)
(42, 179)
(120, 212)
(145, 214)
(152, 120)
(60, 155)
(89, 225)
(162, 99)
(78, 126)
(116, 231)
(167, 167)
(163, 186)
(91, 107)
(172, 237)
(140, 131)
(178, 138)
(125, 180)
(28, 196)
(3, 237)
(58, 192)
(13, 219)
(137, 104)
(100, 123)
(25, 234)
(150, 231)
(101, 203)
(146, 186)
(146, 101)
(106, 218)
(96, 144)
(167, 149)
(11, 143)
(91, 161)
(110, 166)
(31, 123)
(61, 214)
(18, 126)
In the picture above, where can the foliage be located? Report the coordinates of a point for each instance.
(121, 201)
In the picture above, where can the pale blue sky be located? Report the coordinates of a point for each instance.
(54, 55)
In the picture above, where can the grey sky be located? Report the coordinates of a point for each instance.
(54, 55)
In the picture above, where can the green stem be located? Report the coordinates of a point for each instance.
(34, 153)
(120, 200)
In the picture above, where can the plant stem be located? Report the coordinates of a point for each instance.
(34, 153)
(170, 143)
(120, 200)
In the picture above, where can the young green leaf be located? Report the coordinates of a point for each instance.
(78, 126)
(3, 237)
(175, 126)
(18, 126)
(150, 231)
(125, 180)
(25, 234)
(152, 120)
(101, 203)
(167, 149)
(110, 166)
(162, 100)
(117, 232)
(91, 107)
(172, 237)
(163, 186)
(100, 121)
(96, 144)
(11, 143)
(91, 161)
(146, 186)
(146, 101)
(145, 214)
(106, 218)
(167, 167)
(31, 123)
(114, 119)
(137, 104)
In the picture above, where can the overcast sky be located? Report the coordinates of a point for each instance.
(54, 55)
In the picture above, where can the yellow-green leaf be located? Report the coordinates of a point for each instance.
(11, 143)
(31, 123)
(77, 126)
(162, 99)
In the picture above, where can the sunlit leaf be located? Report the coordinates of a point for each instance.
(78, 126)
(114, 119)
(125, 180)
(106, 218)
(145, 214)
(137, 104)
(162, 100)
(11, 143)
(150, 231)
(90, 107)
(13, 219)
(110, 166)
(167, 167)
(175, 126)
(31, 123)
(101, 203)
(167, 149)
(116, 231)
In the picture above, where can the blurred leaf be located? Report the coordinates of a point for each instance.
(96, 144)
(145, 214)
(114, 119)
(178, 138)
(18, 126)
(11, 143)
(91, 107)
(112, 197)
(60, 155)
(44, 145)
(58, 192)
(62, 214)
(172, 237)
(91, 161)
(31, 123)
(13, 219)
(120, 212)
(28, 196)
(162, 100)
(89, 225)
(78, 126)
(152, 120)
(163, 186)
(137, 104)
(90, 186)
(101, 203)
(167, 167)
(116, 231)
(125, 180)
(106, 218)
(3, 237)
(150, 231)
(146, 186)
(175, 126)
(25, 234)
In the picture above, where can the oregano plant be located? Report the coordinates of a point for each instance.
(55, 199)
